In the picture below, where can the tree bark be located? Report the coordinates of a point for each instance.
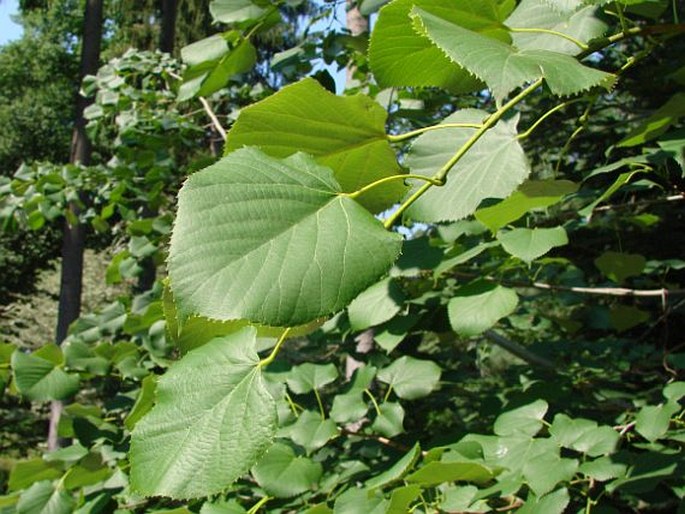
(73, 241)
(167, 36)
(357, 24)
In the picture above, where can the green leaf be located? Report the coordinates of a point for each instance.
(234, 11)
(658, 123)
(603, 469)
(213, 61)
(90, 470)
(532, 195)
(26, 472)
(504, 67)
(397, 471)
(674, 391)
(250, 265)
(283, 475)
(478, 306)
(620, 266)
(584, 435)
(390, 421)
(493, 168)
(525, 420)
(652, 421)
(81, 356)
(543, 470)
(552, 503)
(307, 377)
(222, 507)
(213, 419)
(377, 304)
(39, 376)
(346, 134)
(581, 24)
(411, 378)
(43, 498)
(528, 244)
(144, 401)
(625, 317)
(394, 331)
(400, 57)
(356, 501)
(435, 473)
(348, 408)
(311, 431)
(401, 498)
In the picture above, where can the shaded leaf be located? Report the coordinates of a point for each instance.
(477, 307)
(39, 376)
(398, 470)
(523, 420)
(620, 266)
(390, 421)
(375, 305)
(307, 377)
(435, 473)
(283, 475)
(311, 431)
(528, 244)
(411, 378)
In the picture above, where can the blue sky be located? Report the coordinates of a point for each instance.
(8, 29)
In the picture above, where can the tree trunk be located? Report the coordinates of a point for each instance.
(73, 241)
(167, 39)
(357, 24)
(167, 35)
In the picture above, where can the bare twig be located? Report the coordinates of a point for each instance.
(215, 121)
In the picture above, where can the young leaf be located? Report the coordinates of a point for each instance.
(435, 473)
(493, 168)
(620, 266)
(397, 470)
(39, 376)
(234, 11)
(652, 421)
(525, 420)
(311, 431)
(377, 304)
(411, 378)
(533, 194)
(529, 244)
(400, 57)
(390, 421)
(236, 248)
(283, 475)
(552, 503)
(307, 377)
(43, 497)
(580, 24)
(584, 435)
(477, 307)
(346, 134)
(213, 419)
(504, 67)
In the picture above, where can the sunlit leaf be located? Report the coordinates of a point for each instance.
(213, 419)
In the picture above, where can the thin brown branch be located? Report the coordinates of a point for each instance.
(215, 121)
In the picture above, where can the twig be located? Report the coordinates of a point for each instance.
(610, 291)
(378, 438)
(212, 116)
(519, 351)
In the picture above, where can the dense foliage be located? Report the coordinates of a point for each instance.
(456, 287)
